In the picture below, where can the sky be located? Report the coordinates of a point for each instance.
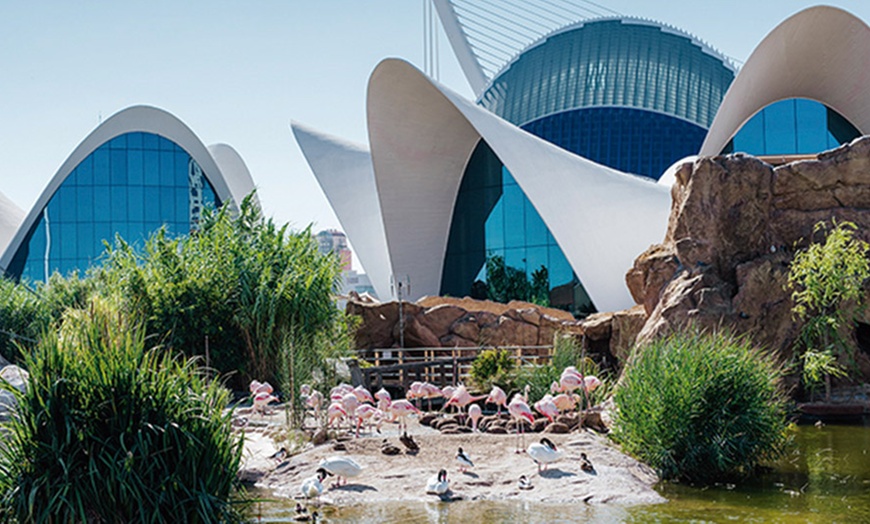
(238, 72)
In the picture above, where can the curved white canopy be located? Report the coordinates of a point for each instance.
(422, 135)
(344, 171)
(821, 53)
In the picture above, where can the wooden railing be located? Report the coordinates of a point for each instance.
(397, 368)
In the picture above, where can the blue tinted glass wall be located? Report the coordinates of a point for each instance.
(129, 186)
(630, 140)
(611, 63)
(794, 126)
(494, 220)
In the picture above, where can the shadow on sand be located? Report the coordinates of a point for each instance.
(359, 488)
(556, 473)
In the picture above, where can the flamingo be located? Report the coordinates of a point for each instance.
(565, 402)
(519, 410)
(364, 412)
(547, 407)
(261, 400)
(415, 392)
(448, 391)
(315, 402)
(591, 383)
(544, 452)
(260, 387)
(363, 395)
(498, 397)
(334, 412)
(430, 391)
(384, 401)
(401, 409)
(461, 397)
(438, 485)
(340, 391)
(474, 412)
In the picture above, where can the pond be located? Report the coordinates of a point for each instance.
(824, 478)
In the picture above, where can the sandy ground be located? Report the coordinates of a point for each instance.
(617, 479)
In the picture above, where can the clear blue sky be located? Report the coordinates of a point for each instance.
(239, 71)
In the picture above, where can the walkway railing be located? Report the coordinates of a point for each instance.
(397, 368)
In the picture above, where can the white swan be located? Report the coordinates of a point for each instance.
(544, 453)
(437, 484)
(312, 487)
(341, 467)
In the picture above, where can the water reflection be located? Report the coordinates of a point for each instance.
(825, 478)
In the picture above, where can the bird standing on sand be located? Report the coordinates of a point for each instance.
(334, 413)
(524, 483)
(312, 487)
(519, 410)
(437, 484)
(498, 397)
(341, 467)
(464, 461)
(409, 443)
(547, 407)
(401, 409)
(461, 397)
(474, 413)
(585, 464)
(544, 452)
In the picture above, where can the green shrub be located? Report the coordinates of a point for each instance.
(701, 407)
(108, 431)
(492, 367)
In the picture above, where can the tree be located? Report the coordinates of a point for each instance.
(828, 280)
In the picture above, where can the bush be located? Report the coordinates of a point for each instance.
(701, 407)
(108, 431)
(492, 367)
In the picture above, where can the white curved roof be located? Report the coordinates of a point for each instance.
(422, 135)
(145, 119)
(821, 53)
(11, 217)
(235, 172)
(344, 172)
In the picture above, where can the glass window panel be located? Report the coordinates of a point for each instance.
(134, 141)
(779, 131)
(182, 206)
(167, 205)
(750, 138)
(152, 204)
(119, 142)
(167, 168)
(85, 171)
(536, 229)
(84, 204)
(103, 232)
(119, 168)
(560, 270)
(102, 203)
(138, 233)
(135, 167)
(150, 141)
(119, 203)
(181, 178)
(514, 221)
(135, 203)
(536, 258)
(67, 204)
(516, 258)
(67, 241)
(101, 166)
(495, 227)
(120, 229)
(151, 162)
(812, 125)
(88, 247)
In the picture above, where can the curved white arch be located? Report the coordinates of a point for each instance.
(344, 172)
(821, 53)
(145, 119)
(234, 171)
(11, 217)
(422, 135)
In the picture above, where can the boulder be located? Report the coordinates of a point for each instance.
(557, 427)
(439, 318)
(416, 334)
(540, 424)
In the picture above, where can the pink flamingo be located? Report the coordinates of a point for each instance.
(260, 387)
(547, 407)
(350, 403)
(447, 391)
(334, 413)
(401, 409)
(261, 401)
(591, 383)
(519, 410)
(498, 397)
(474, 412)
(565, 402)
(363, 395)
(364, 413)
(340, 390)
(430, 391)
(461, 398)
(315, 402)
(384, 401)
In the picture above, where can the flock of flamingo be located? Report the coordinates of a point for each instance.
(357, 407)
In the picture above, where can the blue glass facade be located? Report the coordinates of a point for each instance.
(130, 186)
(493, 218)
(792, 126)
(631, 140)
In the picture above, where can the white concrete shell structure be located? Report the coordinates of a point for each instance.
(821, 53)
(422, 135)
(234, 171)
(344, 171)
(11, 217)
(228, 186)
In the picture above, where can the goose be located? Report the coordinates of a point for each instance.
(464, 461)
(585, 464)
(312, 487)
(341, 467)
(437, 484)
(544, 453)
(524, 483)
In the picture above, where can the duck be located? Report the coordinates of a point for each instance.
(409, 443)
(279, 455)
(341, 467)
(312, 487)
(304, 516)
(544, 452)
(585, 464)
(524, 483)
(464, 461)
(437, 484)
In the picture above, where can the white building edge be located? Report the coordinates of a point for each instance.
(225, 170)
(422, 135)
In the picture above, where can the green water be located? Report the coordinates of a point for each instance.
(825, 478)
